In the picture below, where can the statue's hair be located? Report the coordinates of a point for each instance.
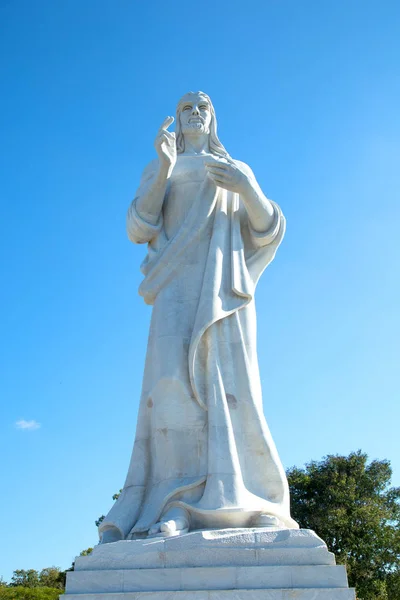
(215, 145)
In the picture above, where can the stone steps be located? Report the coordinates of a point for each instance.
(244, 547)
(201, 578)
(282, 594)
(206, 556)
(239, 564)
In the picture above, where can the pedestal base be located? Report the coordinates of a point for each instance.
(244, 564)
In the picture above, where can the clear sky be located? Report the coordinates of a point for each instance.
(307, 93)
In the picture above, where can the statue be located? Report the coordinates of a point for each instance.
(203, 455)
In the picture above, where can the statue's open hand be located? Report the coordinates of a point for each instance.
(227, 175)
(165, 144)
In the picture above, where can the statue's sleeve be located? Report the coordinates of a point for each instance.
(259, 248)
(258, 239)
(140, 230)
(264, 238)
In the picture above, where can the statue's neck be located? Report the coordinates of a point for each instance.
(196, 144)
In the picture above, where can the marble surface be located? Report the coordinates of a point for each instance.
(207, 578)
(231, 563)
(203, 455)
(227, 547)
(287, 594)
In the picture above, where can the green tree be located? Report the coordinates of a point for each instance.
(350, 504)
(393, 584)
(26, 593)
(52, 577)
(25, 578)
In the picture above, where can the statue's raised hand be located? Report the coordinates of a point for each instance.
(228, 175)
(165, 145)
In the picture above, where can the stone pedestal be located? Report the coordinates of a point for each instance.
(240, 564)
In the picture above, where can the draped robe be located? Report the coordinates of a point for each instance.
(202, 442)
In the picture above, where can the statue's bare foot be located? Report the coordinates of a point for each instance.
(173, 525)
(264, 520)
(175, 521)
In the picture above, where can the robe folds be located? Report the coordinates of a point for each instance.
(202, 442)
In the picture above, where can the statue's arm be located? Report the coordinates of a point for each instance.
(144, 219)
(151, 193)
(260, 210)
(237, 177)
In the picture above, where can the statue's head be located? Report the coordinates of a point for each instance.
(195, 114)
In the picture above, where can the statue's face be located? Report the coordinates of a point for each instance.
(195, 115)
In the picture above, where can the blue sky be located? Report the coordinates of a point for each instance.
(307, 93)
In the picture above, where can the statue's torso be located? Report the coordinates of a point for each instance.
(187, 177)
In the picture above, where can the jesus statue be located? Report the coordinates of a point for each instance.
(203, 456)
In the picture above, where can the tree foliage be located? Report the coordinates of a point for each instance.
(27, 593)
(50, 577)
(25, 578)
(351, 506)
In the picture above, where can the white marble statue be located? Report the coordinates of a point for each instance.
(203, 456)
